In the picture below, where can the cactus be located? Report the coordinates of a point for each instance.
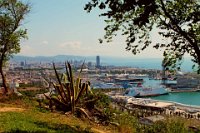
(69, 89)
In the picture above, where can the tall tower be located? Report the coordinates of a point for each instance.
(98, 62)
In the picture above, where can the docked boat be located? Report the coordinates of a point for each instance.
(107, 86)
(141, 91)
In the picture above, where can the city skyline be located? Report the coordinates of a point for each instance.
(64, 28)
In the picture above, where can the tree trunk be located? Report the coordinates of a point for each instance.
(3, 79)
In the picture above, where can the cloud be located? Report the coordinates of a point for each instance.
(71, 45)
(77, 48)
(27, 50)
(45, 42)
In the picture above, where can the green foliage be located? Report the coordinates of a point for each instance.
(104, 101)
(177, 21)
(32, 93)
(173, 126)
(12, 13)
(127, 123)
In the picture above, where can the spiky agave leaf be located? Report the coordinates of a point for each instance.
(67, 72)
(57, 76)
(81, 91)
(64, 78)
(89, 88)
(82, 110)
(47, 97)
(80, 84)
(56, 100)
(50, 100)
(70, 75)
(77, 87)
(68, 92)
(86, 90)
(72, 87)
(78, 81)
(71, 78)
(68, 85)
(60, 91)
(65, 89)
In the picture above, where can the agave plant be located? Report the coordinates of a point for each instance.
(70, 90)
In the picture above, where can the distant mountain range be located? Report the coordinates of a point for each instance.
(56, 58)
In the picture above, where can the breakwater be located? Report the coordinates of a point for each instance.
(152, 107)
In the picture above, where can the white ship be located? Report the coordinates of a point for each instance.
(141, 91)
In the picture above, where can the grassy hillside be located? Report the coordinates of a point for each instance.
(24, 115)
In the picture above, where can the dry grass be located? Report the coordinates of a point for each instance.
(11, 109)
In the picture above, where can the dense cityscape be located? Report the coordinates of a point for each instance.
(27, 73)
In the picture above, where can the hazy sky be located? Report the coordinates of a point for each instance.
(63, 27)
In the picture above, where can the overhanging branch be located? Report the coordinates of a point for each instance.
(183, 33)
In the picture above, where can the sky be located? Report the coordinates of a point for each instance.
(63, 27)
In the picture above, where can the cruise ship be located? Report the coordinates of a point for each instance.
(141, 91)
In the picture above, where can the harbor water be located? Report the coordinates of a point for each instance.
(188, 98)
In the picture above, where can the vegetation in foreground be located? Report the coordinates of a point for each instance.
(35, 119)
(32, 118)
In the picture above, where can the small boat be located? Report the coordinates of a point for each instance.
(141, 91)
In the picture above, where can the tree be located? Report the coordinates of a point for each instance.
(12, 13)
(177, 20)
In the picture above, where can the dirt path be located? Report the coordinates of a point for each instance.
(11, 109)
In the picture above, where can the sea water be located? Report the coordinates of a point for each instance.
(188, 98)
(146, 63)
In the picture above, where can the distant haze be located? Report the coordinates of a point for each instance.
(147, 63)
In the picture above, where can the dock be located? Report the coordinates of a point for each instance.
(147, 105)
